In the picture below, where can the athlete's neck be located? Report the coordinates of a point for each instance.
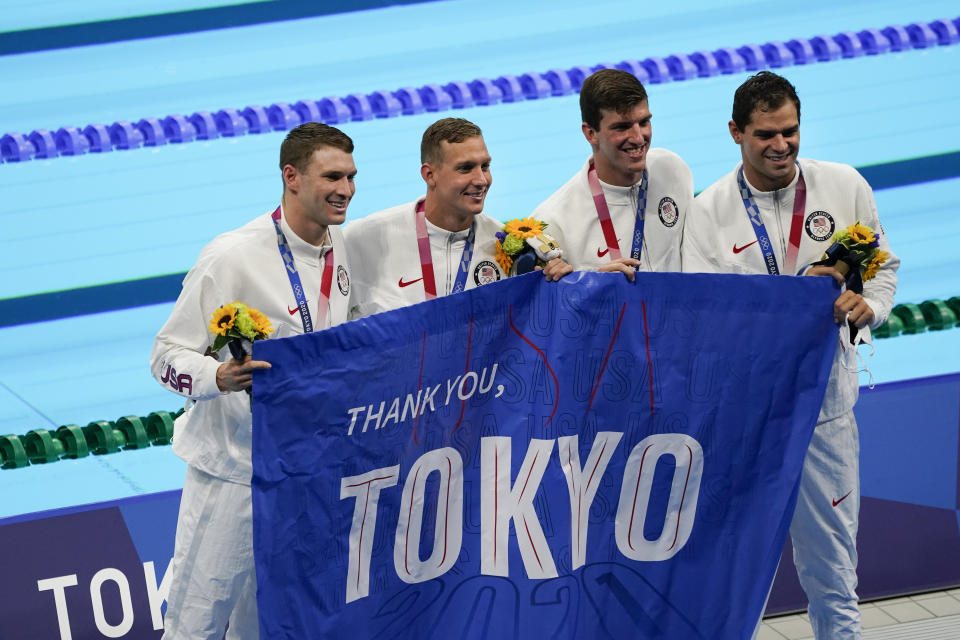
(300, 223)
(444, 218)
(612, 176)
(762, 183)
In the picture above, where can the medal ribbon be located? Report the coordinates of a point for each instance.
(426, 257)
(603, 213)
(796, 224)
(326, 281)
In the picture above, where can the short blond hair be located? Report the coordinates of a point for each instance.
(450, 130)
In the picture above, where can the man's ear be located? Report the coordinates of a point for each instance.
(735, 132)
(291, 178)
(428, 174)
(590, 134)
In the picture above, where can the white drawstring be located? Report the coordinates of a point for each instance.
(863, 361)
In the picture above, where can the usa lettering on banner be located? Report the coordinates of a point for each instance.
(589, 458)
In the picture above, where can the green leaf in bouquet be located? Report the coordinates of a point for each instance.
(220, 342)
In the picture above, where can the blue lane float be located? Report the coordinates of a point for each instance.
(334, 111)
(44, 144)
(152, 131)
(70, 141)
(283, 117)
(99, 137)
(874, 42)
(460, 95)
(410, 102)
(230, 123)
(485, 93)
(406, 101)
(14, 147)
(257, 119)
(177, 129)
(205, 125)
(384, 104)
(359, 105)
(124, 136)
(730, 60)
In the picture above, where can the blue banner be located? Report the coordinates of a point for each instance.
(585, 459)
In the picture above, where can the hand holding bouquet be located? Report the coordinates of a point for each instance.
(234, 323)
(522, 245)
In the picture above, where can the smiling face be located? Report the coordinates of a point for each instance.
(457, 183)
(620, 144)
(317, 197)
(769, 145)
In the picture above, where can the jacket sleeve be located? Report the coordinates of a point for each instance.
(878, 292)
(697, 254)
(177, 360)
(366, 257)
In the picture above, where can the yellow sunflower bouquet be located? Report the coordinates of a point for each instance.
(856, 254)
(235, 322)
(522, 246)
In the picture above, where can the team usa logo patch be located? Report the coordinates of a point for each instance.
(820, 226)
(343, 280)
(668, 211)
(485, 273)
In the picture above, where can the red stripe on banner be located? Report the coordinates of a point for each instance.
(530, 538)
(496, 498)
(646, 338)
(446, 512)
(406, 547)
(363, 524)
(636, 492)
(556, 383)
(607, 357)
(463, 403)
(597, 465)
(683, 496)
(416, 418)
(529, 473)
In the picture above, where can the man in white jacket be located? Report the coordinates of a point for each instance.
(625, 209)
(439, 244)
(292, 266)
(775, 214)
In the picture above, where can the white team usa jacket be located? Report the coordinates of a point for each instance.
(245, 265)
(719, 238)
(572, 215)
(386, 259)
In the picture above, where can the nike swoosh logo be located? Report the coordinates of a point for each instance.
(737, 249)
(292, 311)
(407, 284)
(600, 253)
(836, 502)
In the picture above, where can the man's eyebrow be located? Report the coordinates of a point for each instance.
(789, 129)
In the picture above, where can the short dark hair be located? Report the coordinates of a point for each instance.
(450, 130)
(610, 89)
(298, 147)
(765, 91)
